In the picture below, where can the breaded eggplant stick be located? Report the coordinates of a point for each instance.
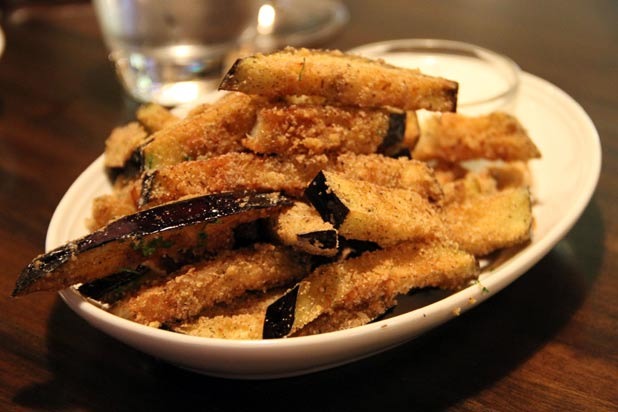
(365, 211)
(319, 129)
(232, 170)
(402, 173)
(218, 129)
(291, 175)
(122, 142)
(227, 276)
(374, 276)
(302, 228)
(485, 222)
(196, 225)
(453, 137)
(341, 79)
(242, 318)
(155, 117)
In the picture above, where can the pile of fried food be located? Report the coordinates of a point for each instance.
(320, 188)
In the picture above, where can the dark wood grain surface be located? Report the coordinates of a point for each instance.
(549, 342)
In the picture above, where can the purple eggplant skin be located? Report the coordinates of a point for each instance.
(202, 223)
(325, 201)
(322, 239)
(392, 144)
(279, 317)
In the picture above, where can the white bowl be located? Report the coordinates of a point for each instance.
(571, 153)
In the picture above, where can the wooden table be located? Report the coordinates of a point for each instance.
(547, 342)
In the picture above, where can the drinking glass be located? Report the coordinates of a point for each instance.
(172, 52)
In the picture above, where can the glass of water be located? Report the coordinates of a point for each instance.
(172, 52)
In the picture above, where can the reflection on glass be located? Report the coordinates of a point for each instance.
(298, 22)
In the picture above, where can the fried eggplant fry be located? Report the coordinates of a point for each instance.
(302, 228)
(340, 79)
(373, 276)
(242, 318)
(228, 172)
(365, 211)
(322, 129)
(487, 222)
(217, 130)
(154, 117)
(454, 138)
(202, 223)
(218, 280)
(236, 171)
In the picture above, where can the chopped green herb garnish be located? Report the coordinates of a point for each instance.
(484, 290)
(148, 248)
(202, 237)
(149, 160)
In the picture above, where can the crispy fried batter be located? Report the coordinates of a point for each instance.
(122, 142)
(155, 117)
(120, 202)
(216, 130)
(483, 219)
(453, 137)
(291, 175)
(302, 227)
(242, 318)
(318, 129)
(340, 78)
(231, 171)
(400, 173)
(225, 277)
(346, 318)
(365, 211)
(381, 276)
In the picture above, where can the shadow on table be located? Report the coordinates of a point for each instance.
(435, 371)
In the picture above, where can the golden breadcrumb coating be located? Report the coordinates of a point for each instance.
(122, 142)
(486, 222)
(402, 173)
(453, 137)
(381, 275)
(346, 318)
(340, 78)
(386, 216)
(300, 226)
(216, 130)
(315, 129)
(120, 202)
(234, 171)
(155, 117)
(221, 279)
(230, 172)
(242, 318)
